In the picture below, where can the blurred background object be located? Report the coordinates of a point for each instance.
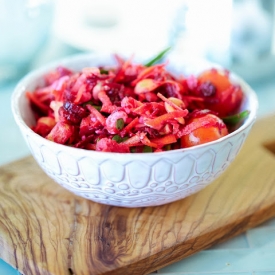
(252, 48)
(238, 34)
(122, 26)
(251, 30)
(201, 29)
(25, 26)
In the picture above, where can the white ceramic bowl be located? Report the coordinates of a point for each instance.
(129, 180)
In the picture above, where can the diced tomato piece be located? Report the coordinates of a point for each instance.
(61, 132)
(44, 125)
(204, 129)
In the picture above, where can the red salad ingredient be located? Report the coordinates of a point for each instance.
(133, 107)
(196, 133)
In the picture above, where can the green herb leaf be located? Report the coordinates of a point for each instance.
(103, 71)
(120, 124)
(147, 149)
(119, 139)
(98, 107)
(133, 149)
(235, 119)
(157, 58)
(124, 139)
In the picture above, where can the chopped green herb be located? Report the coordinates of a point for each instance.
(157, 58)
(147, 149)
(98, 107)
(235, 119)
(120, 124)
(124, 139)
(133, 149)
(104, 71)
(119, 139)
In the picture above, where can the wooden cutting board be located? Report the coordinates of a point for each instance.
(44, 229)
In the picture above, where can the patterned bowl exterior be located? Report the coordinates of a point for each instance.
(129, 180)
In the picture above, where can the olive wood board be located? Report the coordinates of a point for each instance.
(45, 229)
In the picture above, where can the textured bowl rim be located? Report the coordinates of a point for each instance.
(20, 89)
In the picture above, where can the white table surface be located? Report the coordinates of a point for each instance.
(252, 252)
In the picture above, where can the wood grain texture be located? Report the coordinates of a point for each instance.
(45, 229)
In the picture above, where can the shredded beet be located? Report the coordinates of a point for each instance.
(131, 107)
